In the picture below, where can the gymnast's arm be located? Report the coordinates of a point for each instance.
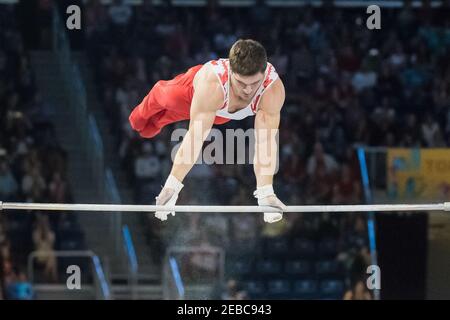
(267, 121)
(207, 99)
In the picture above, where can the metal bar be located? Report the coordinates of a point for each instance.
(192, 208)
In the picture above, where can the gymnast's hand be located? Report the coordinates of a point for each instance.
(168, 197)
(267, 197)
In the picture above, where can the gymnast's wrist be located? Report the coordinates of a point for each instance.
(173, 183)
(264, 192)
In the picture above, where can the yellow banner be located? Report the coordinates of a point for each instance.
(418, 173)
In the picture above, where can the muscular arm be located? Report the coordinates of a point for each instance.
(267, 121)
(208, 97)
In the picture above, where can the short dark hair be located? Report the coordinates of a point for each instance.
(248, 57)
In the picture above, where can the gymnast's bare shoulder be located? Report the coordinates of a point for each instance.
(208, 92)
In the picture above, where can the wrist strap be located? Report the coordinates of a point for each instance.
(173, 183)
(263, 192)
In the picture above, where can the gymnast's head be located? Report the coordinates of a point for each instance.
(248, 62)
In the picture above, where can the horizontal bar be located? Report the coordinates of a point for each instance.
(192, 208)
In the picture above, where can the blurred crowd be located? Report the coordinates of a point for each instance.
(346, 85)
(33, 168)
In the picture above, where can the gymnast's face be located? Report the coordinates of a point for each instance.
(245, 86)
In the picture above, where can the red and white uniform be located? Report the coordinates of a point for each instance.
(170, 101)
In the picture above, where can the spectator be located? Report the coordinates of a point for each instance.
(20, 289)
(364, 78)
(8, 274)
(2, 235)
(44, 243)
(348, 60)
(302, 66)
(294, 170)
(320, 159)
(120, 13)
(397, 59)
(224, 39)
(95, 17)
(147, 170)
(358, 292)
(280, 61)
(57, 189)
(8, 183)
(33, 183)
(232, 291)
(430, 129)
(347, 189)
(205, 54)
